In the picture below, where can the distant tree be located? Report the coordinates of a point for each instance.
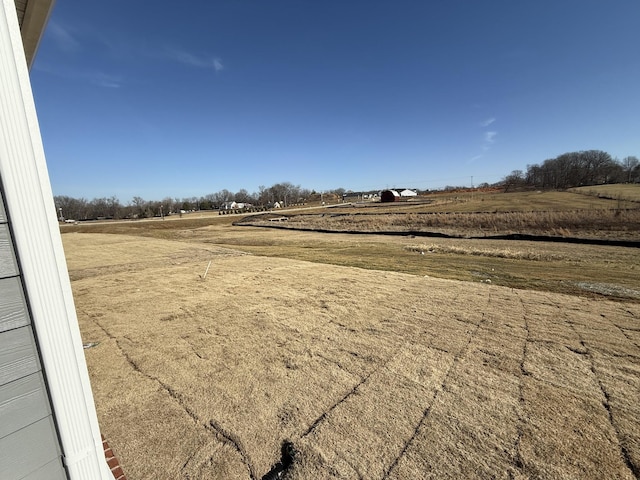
(284, 192)
(534, 176)
(168, 205)
(598, 167)
(187, 204)
(152, 209)
(204, 203)
(574, 169)
(98, 208)
(139, 207)
(242, 196)
(225, 195)
(71, 208)
(635, 174)
(114, 207)
(630, 166)
(514, 180)
(304, 194)
(263, 195)
(211, 200)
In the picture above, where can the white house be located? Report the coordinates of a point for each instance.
(228, 205)
(408, 193)
(48, 423)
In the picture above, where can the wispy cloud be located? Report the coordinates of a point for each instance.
(192, 60)
(104, 80)
(93, 77)
(487, 122)
(490, 137)
(62, 37)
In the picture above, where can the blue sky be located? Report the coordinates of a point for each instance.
(182, 99)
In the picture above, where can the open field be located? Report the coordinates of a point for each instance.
(611, 271)
(623, 192)
(370, 373)
(524, 201)
(473, 214)
(376, 356)
(585, 224)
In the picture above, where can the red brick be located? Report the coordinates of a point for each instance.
(117, 472)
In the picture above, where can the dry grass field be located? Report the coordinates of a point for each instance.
(623, 192)
(353, 349)
(585, 213)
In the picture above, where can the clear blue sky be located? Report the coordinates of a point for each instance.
(168, 98)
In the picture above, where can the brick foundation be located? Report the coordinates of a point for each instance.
(112, 461)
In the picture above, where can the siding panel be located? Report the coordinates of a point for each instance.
(51, 471)
(18, 356)
(22, 402)
(8, 266)
(13, 307)
(28, 450)
(3, 215)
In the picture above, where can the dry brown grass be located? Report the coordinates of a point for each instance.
(550, 266)
(524, 201)
(618, 224)
(371, 374)
(625, 192)
(536, 254)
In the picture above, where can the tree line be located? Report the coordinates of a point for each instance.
(575, 169)
(284, 193)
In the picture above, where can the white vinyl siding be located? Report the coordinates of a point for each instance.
(28, 441)
(47, 432)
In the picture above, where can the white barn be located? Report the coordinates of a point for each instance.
(48, 423)
(408, 193)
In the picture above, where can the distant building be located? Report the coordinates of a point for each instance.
(408, 193)
(388, 196)
(234, 206)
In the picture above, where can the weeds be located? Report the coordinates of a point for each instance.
(554, 223)
(485, 252)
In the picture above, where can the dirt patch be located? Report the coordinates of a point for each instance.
(369, 374)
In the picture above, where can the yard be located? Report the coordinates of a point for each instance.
(369, 373)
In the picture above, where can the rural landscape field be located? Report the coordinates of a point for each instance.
(475, 335)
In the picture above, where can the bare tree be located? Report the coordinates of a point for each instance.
(573, 169)
(513, 180)
(242, 196)
(139, 206)
(630, 165)
(71, 208)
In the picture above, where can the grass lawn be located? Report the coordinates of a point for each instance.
(375, 356)
(370, 374)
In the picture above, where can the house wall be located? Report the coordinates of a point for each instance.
(40, 342)
(29, 446)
